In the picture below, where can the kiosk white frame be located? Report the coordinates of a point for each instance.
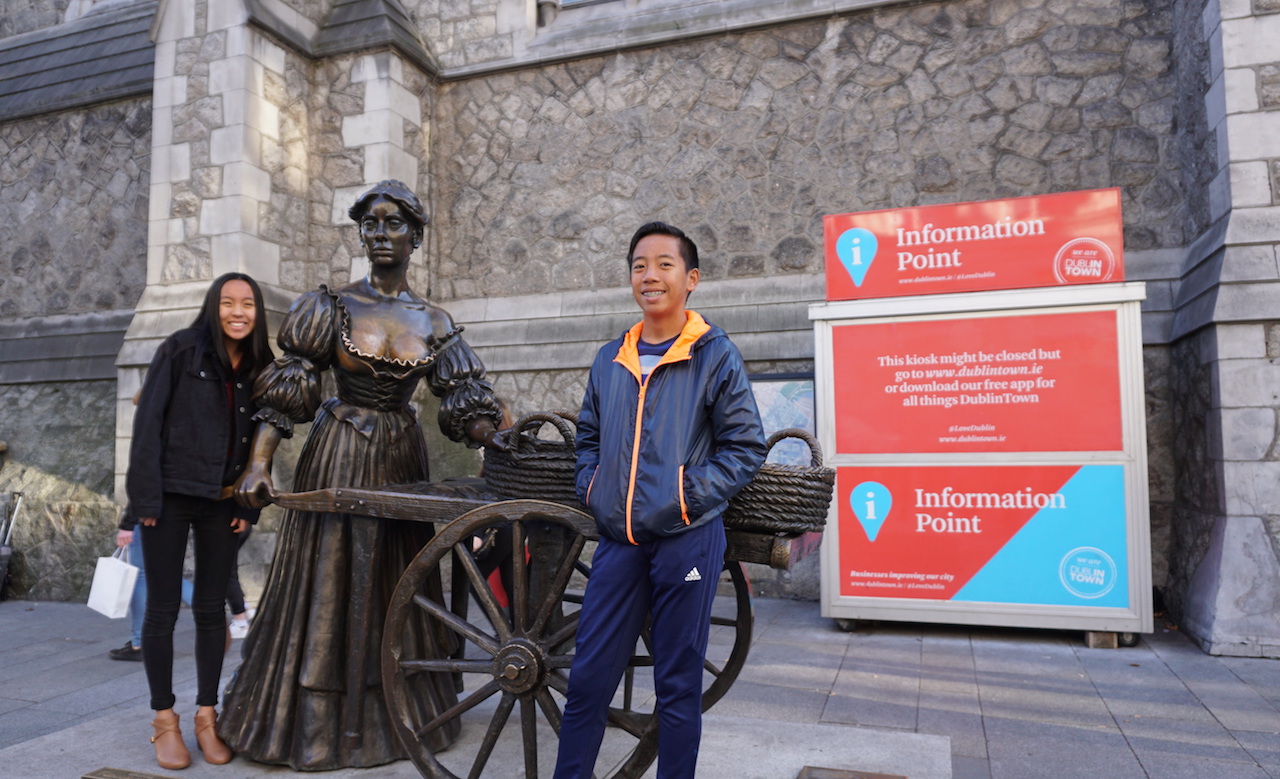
(1123, 298)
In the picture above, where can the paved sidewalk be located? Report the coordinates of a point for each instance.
(919, 700)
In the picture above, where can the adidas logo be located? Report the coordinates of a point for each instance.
(693, 576)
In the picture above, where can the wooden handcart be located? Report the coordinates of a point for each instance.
(521, 654)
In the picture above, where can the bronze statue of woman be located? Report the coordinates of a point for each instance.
(309, 693)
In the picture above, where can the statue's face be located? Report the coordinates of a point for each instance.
(387, 236)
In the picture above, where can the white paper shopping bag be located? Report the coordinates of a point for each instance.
(113, 581)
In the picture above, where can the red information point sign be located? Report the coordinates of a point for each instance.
(979, 384)
(1041, 241)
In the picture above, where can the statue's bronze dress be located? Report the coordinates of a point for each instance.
(311, 661)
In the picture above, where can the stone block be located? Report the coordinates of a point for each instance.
(1240, 341)
(343, 197)
(1215, 102)
(238, 143)
(1254, 136)
(241, 178)
(1220, 194)
(1255, 262)
(387, 95)
(1255, 225)
(380, 65)
(388, 161)
(1234, 9)
(1215, 55)
(170, 91)
(177, 22)
(246, 253)
(371, 127)
(166, 59)
(1241, 90)
(1246, 433)
(179, 162)
(268, 53)
(230, 74)
(1250, 40)
(1246, 302)
(223, 215)
(224, 15)
(161, 126)
(244, 107)
(1210, 17)
(158, 202)
(1244, 383)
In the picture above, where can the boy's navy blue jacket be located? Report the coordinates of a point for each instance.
(697, 441)
(182, 432)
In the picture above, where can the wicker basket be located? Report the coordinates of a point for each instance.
(784, 498)
(534, 467)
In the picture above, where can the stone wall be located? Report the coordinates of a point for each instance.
(60, 457)
(73, 204)
(746, 139)
(19, 16)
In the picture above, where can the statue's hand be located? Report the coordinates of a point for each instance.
(500, 439)
(254, 489)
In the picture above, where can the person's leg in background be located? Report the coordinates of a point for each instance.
(137, 604)
(235, 594)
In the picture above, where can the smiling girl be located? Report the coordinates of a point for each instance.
(191, 438)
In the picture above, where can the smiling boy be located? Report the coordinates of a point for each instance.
(668, 432)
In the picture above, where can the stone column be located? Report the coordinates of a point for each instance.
(1232, 604)
(210, 124)
(379, 132)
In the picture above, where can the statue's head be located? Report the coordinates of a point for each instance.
(399, 193)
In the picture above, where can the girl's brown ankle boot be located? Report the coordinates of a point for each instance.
(215, 749)
(171, 753)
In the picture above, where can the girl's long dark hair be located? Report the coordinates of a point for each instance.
(257, 349)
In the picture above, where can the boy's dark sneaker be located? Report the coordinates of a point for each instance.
(126, 652)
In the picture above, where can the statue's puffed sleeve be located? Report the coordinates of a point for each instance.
(288, 391)
(458, 379)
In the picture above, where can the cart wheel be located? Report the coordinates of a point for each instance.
(523, 656)
(1128, 639)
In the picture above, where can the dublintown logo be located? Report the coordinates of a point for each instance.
(871, 502)
(1087, 572)
(1083, 260)
(856, 248)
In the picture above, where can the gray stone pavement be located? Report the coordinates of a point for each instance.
(916, 700)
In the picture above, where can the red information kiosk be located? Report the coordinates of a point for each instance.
(979, 390)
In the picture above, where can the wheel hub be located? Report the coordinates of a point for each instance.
(518, 667)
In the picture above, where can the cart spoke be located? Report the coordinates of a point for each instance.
(711, 668)
(550, 709)
(567, 631)
(520, 576)
(558, 585)
(459, 708)
(496, 724)
(481, 639)
(529, 729)
(557, 681)
(447, 666)
(480, 585)
(632, 722)
(725, 621)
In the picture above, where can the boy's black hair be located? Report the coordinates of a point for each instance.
(688, 249)
(258, 352)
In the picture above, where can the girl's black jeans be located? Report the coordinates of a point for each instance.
(164, 548)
